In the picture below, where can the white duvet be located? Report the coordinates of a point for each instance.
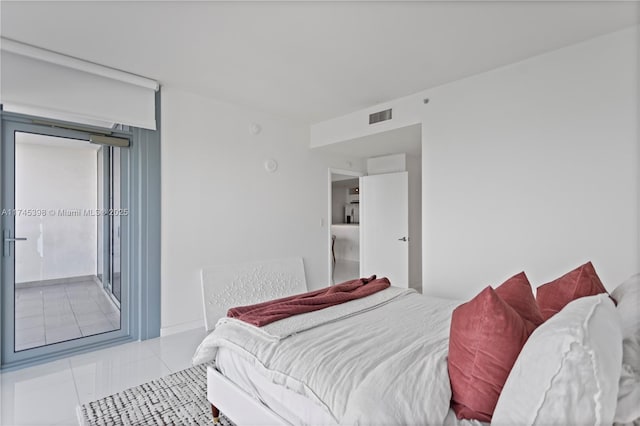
(377, 360)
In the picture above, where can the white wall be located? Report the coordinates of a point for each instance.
(356, 124)
(387, 164)
(52, 178)
(220, 206)
(414, 167)
(534, 166)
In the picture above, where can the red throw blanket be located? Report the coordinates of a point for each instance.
(267, 312)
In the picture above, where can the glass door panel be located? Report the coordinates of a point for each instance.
(101, 271)
(115, 211)
(59, 265)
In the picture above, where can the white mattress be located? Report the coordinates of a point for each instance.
(293, 407)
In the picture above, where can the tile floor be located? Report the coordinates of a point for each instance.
(48, 394)
(55, 313)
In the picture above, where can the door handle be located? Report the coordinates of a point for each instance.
(6, 249)
(403, 239)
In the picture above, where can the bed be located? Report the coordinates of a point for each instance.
(382, 360)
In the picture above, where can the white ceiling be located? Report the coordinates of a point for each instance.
(308, 60)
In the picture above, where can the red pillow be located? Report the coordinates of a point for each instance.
(485, 339)
(582, 281)
(516, 291)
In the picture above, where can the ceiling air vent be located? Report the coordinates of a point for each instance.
(377, 117)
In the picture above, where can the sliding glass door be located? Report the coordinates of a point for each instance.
(109, 224)
(115, 208)
(62, 219)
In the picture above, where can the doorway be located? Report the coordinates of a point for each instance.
(61, 219)
(386, 153)
(344, 226)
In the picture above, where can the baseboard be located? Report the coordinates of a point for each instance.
(179, 328)
(56, 281)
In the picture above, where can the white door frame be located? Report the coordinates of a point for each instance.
(9, 356)
(330, 172)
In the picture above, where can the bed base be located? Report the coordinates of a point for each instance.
(240, 407)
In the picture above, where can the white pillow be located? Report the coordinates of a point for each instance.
(628, 409)
(627, 295)
(567, 373)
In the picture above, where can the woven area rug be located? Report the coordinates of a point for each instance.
(177, 399)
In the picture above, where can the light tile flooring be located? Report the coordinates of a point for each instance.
(55, 313)
(48, 394)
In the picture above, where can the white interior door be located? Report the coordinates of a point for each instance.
(384, 227)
